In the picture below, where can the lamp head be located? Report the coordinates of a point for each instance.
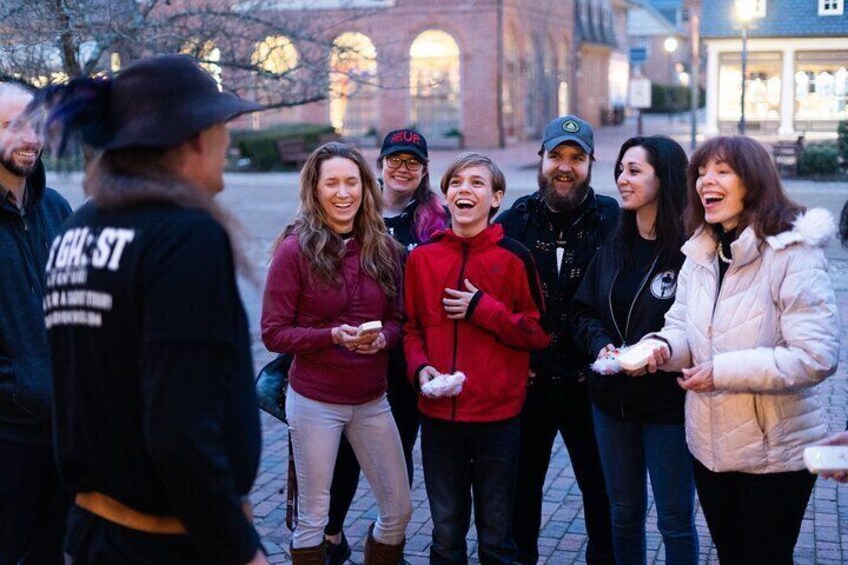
(670, 44)
(745, 10)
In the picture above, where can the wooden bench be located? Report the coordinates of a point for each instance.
(328, 137)
(292, 151)
(786, 155)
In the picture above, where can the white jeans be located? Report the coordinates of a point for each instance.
(316, 428)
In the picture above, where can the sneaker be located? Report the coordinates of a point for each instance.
(337, 553)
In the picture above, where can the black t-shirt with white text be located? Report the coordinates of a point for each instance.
(154, 398)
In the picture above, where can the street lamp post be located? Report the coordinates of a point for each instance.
(744, 13)
(670, 46)
(744, 76)
(694, 73)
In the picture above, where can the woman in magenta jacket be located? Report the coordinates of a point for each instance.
(334, 268)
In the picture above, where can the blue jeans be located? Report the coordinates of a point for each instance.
(464, 460)
(630, 450)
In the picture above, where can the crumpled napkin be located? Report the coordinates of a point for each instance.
(606, 365)
(444, 385)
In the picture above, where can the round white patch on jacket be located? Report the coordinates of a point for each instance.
(664, 284)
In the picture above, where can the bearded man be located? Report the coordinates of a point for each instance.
(31, 505)
(562, 224)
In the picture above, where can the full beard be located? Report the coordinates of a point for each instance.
(559, 202)
(8, 162)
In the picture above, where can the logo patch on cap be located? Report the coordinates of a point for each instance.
(570, 126)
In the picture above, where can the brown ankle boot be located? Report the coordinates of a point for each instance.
(308, 555)
(377, 553)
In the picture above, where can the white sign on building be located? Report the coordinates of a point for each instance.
(640, 93)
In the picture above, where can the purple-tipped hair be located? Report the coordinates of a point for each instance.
(429, 218)
(79, 108)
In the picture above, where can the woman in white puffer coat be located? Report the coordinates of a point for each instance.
(754, 328)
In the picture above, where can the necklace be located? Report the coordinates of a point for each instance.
(722, 256)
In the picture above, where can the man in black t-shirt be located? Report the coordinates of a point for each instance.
(157, 430)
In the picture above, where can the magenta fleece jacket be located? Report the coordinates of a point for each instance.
(299, 312)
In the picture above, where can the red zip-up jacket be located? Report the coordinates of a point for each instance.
(492, 344)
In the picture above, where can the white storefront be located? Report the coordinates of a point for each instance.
(794, 85)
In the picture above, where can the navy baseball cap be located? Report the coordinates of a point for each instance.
(569, 128)
(404, 141)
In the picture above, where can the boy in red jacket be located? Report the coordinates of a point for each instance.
(473, 305)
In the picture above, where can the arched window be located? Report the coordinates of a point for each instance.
(274, 56)
(434, 83)
(208, 55)
(353, 88)
(531, 72)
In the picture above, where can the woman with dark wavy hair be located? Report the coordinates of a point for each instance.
(335, 268)
(626, 292)
(754, 328)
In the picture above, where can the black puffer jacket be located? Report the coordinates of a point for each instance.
(654, 398)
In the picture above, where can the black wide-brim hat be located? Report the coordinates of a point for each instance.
(164, 100)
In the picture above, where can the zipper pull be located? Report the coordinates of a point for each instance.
(710, 331)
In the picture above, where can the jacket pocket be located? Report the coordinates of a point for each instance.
(759, 414)
(12, 390)
(7, 383)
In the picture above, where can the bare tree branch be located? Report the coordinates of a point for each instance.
(49, 41)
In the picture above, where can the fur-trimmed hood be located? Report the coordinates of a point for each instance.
(816, 228)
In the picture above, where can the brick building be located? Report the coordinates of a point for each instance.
(478, 73)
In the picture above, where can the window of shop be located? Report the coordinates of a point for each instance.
(275, 56)
(510, 86)
(208, 55)
(831, 7)
(353, 84)
(762, 87)
(821, 85)
(434, 84)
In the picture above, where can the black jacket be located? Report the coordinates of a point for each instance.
(653, 398)
(25, 372)
(529, 222)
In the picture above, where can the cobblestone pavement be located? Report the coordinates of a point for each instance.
(264, 203)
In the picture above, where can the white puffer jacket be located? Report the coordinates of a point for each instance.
(772, 333)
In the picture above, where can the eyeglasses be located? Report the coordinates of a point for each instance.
(412, 164)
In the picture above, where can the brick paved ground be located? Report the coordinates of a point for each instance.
(264, 203)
